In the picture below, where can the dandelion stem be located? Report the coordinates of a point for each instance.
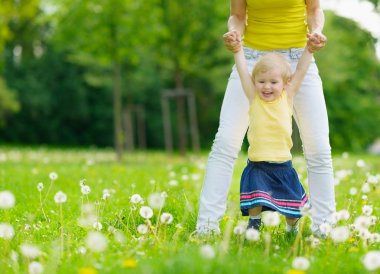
(47, 193)
(61, 228)
(42, 208)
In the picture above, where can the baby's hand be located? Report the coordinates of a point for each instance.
(316, 41)
(232, 41)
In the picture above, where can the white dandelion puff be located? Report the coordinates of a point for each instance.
(106, 194)
(53, 176)
(362, 222)
(35, 268)
(82, 250)
(271, 219)
(325, 228)
(366, 188)
(207, 251)
(40, 186)
(173, 183)
(82, 182)
(374, 238)
(360, 163)
(166, 218)
(156, 201)
(353, 191)
(146, 212)
(30, 251)
(6, 231)
(367, 210)
(85, 190)
(300, 263)
(142, 229)
(7, 199)
(98, 226)
(372, 220)
(96, 242)
(371, 260)
(372, 179)
(136, 198)
(340, 234)
(364, 233)
(60, 197)
(252, 235)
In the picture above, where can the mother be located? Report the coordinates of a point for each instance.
(283, 26)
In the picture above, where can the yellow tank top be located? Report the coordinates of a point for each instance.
(275, 24)
(270, 130)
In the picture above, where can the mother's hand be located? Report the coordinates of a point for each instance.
(316, 41)
(232, 41)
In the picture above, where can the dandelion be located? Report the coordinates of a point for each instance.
(300, 263)
(173, 183)
(81, 250)
(53, 176)
(325, 228)
(371, 260)
(271, 219)
(7, 199)
(360, 163)
(344, 214)
(98, 226)
(146, 212)
(85, 190)
(30, 251)
(252, 234)
(340, 234)
(119, 237)
(372, 220)
(35, 268)
(96, 241)
(136, 198)
(40, 186)
(372, 179)
(129, 263)
(345, 155)
(82, 182)
(106, 194)
(315, 242)
(367, 210)
(87, 270)
(156, 200)
(6, 231)
(166, 218)
(207, 251)
(364, 234)
(366, 188)
(60, 197)
(362, 222)
(142, 229)
(353, 191)
(240, 228)
(374, 238)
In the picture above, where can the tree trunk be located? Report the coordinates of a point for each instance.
(181, 122)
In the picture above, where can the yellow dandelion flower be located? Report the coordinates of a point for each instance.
(87, 270)
(295, 271)
(129, 263)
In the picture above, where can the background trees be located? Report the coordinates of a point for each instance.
(75, 66)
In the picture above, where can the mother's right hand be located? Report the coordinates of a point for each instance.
(232, 41)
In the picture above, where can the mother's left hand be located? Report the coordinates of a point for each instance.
(316, 41)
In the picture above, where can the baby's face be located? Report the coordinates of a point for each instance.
(269, 84)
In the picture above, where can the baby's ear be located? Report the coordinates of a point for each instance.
(288, 82)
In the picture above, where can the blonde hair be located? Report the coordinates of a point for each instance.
(272, 60)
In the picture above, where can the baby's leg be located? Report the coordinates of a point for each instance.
(292, 224)
(254, 218)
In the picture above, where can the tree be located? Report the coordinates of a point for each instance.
(102, 35)
(351, 77)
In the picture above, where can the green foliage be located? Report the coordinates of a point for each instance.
(350, 72)
(8, 102)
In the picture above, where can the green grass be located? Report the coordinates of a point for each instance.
(169, 248)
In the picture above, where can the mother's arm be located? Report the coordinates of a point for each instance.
(315, 21)
(236, 25)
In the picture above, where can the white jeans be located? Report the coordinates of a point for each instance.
(311, 117)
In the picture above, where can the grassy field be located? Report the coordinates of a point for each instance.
(76, 211)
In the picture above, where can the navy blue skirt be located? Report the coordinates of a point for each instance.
(274, 186)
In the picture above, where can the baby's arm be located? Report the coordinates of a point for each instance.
(245, 77)
(299, 74)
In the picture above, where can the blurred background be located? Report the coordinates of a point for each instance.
(152, 74)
